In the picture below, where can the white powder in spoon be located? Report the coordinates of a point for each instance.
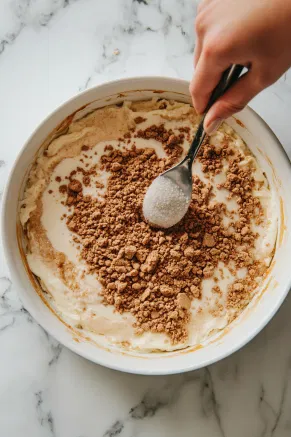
(164, 204)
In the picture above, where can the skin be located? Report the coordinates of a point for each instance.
(253, 33)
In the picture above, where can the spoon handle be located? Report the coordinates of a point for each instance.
(228, 78)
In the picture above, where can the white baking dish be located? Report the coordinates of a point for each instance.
(273, 159)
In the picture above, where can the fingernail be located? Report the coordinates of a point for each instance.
(212, 127)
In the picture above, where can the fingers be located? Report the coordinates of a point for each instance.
(234, 100)
(207, 75)
(207, 60)
(197, 51)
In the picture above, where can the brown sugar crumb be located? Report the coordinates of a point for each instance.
(183, 301)
(139, 120)
(158, 132)
(116, 166)
(63, 189)
(84, 148)
(211, 158)
(127, 135)
(195, 291)
(189, 252)
(58, 179)
(86, 181)
(50, 191)
(238, 296)
(184, 129)
(175, 139)
(75, 186)
(99, 184)
(155, 274)
(130, 251)
(208, 240)
(208, 271)
(171, 142)
(217, 290)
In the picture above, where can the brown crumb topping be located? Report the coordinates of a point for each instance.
(157, 274)
(139, 120)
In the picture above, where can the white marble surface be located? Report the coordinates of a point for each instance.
(50, 50)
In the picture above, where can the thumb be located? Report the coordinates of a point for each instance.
(234, 100)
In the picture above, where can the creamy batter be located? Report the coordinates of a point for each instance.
(53, 253)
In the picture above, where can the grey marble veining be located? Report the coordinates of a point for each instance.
(50, 50)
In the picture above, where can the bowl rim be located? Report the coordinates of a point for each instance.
(113, 364)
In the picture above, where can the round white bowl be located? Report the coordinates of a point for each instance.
(269, 152)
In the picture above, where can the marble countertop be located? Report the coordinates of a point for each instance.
(49, 51)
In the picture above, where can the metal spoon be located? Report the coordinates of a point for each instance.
(179, 177)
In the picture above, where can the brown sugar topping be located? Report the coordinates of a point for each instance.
(171, 141)
(139, 120)
(63, 189)
(156, 274)
(75, 186)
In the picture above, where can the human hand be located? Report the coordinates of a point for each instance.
(253, 33)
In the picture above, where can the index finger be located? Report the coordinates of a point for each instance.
(206, 76)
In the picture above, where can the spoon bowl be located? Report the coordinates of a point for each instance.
(168, 197)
